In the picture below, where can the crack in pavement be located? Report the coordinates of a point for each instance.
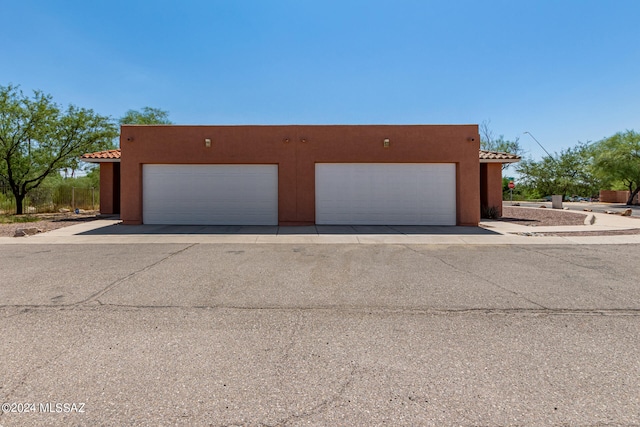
(323, 405)
(610, 272)
(98, 294)
(607, 272)
(295, 329)
(568, 261)
(21, 381)
(317, 408)
(20, 312)
(478, 277)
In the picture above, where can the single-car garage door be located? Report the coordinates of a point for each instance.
(210, 194)
(386, 193)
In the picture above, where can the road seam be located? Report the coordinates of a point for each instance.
(632, 312)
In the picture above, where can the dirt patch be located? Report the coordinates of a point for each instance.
(47, 222)
(540, 216)
(551, 217)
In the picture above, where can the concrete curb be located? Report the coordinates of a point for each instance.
(489, 233)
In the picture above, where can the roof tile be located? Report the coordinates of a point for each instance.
(484, 155)
(108, 154)
(496, 155)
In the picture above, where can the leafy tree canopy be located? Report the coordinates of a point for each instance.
(148, 116)
(567, 173)
(38, 138)
(617, 158)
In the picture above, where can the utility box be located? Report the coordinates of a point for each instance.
(556, 201)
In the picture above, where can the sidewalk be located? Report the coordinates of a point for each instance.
(490, 232)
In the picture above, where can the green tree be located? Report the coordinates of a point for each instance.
(569, 172)
(148, 116)
(489, 142)
(617, 158)
(38, 138)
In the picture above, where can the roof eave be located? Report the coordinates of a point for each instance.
(499, 160)
(100, 160)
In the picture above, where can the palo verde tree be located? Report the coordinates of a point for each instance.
(38, 138)
(618, 159)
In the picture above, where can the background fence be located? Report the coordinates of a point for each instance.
(51, 199)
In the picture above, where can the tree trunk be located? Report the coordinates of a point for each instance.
(632, 194)
(19, 202)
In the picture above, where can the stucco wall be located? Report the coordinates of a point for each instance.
(491, 186)
(296, 149)
(110, 188)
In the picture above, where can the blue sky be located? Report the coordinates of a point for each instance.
(566, 71)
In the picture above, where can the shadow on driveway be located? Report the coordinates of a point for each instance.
(119, 229)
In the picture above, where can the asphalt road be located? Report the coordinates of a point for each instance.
(320, 335)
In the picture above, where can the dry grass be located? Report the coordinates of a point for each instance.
(45, 222)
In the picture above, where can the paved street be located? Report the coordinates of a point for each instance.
(301, 334)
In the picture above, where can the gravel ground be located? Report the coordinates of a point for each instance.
(47, 222)
(547, 217)
(540, 217)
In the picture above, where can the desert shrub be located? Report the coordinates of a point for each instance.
(490, 212)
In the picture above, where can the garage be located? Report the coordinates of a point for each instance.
(209, 194)
(386, 193)
(299, 175)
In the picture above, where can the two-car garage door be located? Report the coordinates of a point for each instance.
(210, 194)
(386, 193)
(345, 193)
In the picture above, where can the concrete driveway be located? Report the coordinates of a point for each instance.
(488, 233)
(245, 334)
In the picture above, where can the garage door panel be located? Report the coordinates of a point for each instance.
(210, 194)
(385, 194)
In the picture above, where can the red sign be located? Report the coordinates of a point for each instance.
(512, 185)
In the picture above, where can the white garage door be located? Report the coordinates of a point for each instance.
(210, 194)
(386, 193)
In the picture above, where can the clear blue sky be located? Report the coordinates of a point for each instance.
(564, 70)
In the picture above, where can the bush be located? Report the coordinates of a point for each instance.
(490, 212)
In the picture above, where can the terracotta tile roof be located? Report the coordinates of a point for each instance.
(484, 155)
(102, 155)
(496, 156)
